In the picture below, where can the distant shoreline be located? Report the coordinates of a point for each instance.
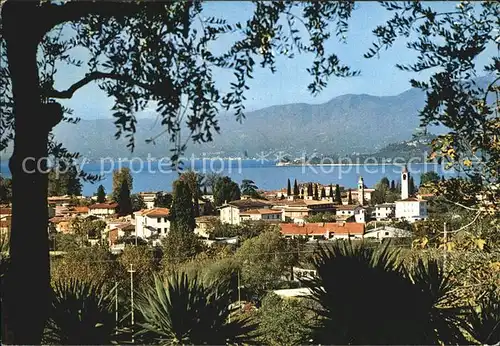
(356, 164)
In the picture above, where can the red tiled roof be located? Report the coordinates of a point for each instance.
(58, 219)
(6, 211)
(249, 203)
(82, 210)
(154, 212)
(322, 228)
(410, 199)
(260, 211)
(104, 206)
(347, 206)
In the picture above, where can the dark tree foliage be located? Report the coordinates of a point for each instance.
(181, 212)
(163, 200)
(385, 181)
(393, 186)
(194, 182)
(5, 190)
(412, 189)
(349, 198)
(137, 202)
(64, 182)
(296, 191)
(429, 178)
(309, 189)
(338, 197)
(323, 192)
(330, 194)
(226, 190)
(249, 188)
(101, 194)
(124, 201)
(316, 192)
(289, 188)
(121, 176)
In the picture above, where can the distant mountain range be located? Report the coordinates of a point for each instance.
(345, 124)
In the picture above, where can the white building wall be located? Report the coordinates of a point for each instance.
(230, 214)
(142, 223)
(411, 210)
(101, 212)
(384, 213)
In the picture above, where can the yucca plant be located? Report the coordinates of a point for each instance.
(181, 310)
(81, 314)
(367, 297)
(484, 322)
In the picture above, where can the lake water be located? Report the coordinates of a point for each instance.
(155, 176)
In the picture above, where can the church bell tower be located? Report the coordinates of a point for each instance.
(405, 183)
(361, 191)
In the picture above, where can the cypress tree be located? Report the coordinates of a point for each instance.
(316, 191)
(331, 192)
(393, 185)
(296, 188)
(412, 189)
(101, 194)
(182, 212)
(323, 192)
(338, 197)
(349, 200)
(309, 189)
(124, 200)
(289, 188)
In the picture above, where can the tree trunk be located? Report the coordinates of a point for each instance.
(26, 296)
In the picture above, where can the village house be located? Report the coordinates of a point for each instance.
(298, 210)
(359, 212)
(103, 209)
(5, 221)
(149, 222)
(148, 198)
(62, 224)
(5, 212)
(59, 200)
(230, 212)
(203, 225)
(384, 211)
(261, 214)
(409, 208)
(5, 225)
(323, 231)
(387, 232)
(117, 230)
(70, 211)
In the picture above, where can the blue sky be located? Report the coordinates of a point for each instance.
(379, 76)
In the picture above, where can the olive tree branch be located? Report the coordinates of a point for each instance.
(93, 76)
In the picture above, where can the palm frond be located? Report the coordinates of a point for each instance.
(484, 322)
(367, 296)
(180, 309)
(81, 313)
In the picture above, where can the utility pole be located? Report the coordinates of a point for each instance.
(445, 236)
(132, 271)
(239, 292)
(116, 306)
